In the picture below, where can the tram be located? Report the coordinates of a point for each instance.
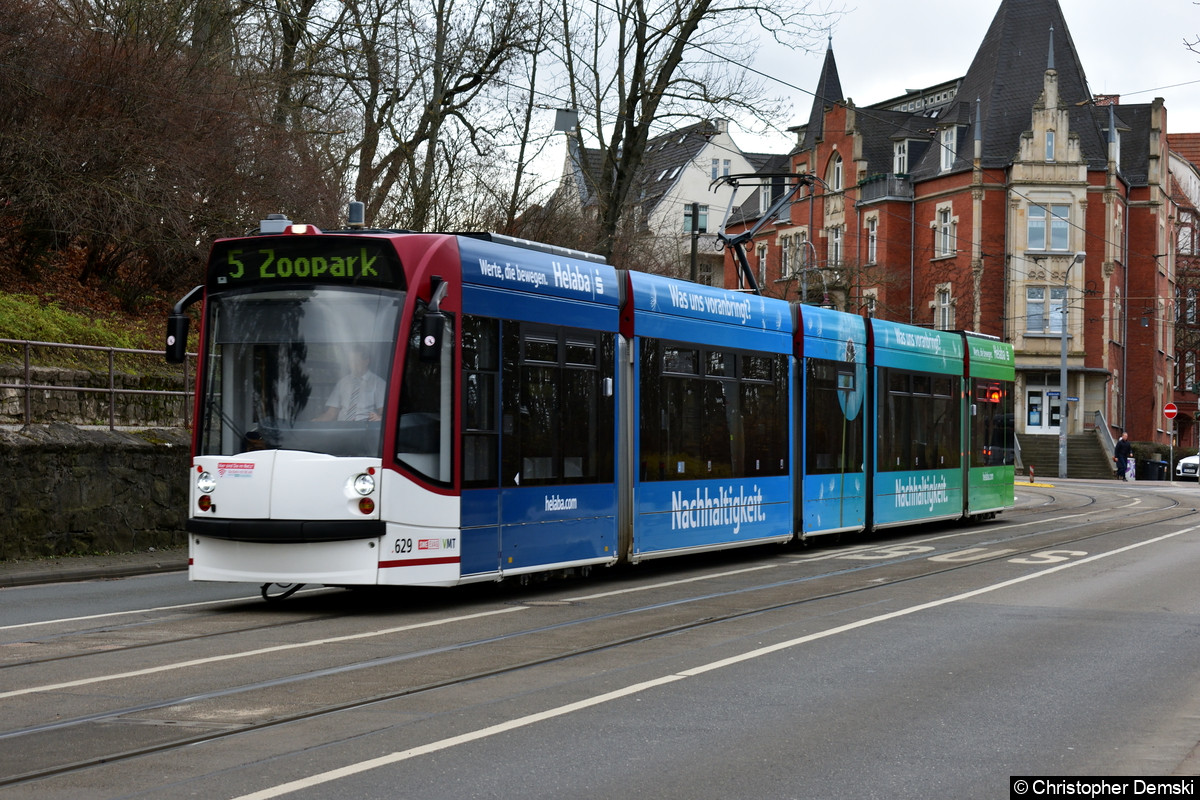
(392, 408)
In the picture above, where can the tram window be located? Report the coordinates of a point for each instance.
(581, 353)
(557, 422)
(765, 421)
(756, 368)
(681, 361)
(992, 434)
(541, 346)
(423, 437)
(710, 426)
(481, 379)
(832, 442)
(919, 423)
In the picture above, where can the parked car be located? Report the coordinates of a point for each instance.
(1188, 468)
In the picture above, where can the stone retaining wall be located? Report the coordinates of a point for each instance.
(67, 490)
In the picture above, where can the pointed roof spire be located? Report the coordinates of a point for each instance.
(828, 92)
(1008, 82)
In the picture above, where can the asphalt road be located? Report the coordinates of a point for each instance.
(1059, 639)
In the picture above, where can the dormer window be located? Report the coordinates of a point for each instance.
(949, 146)
(900, 157)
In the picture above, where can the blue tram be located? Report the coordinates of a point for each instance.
(380, 407)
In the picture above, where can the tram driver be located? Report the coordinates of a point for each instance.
(357, 396)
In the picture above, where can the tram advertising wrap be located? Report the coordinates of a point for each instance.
(388, 407)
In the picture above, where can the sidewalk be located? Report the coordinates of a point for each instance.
(84, 568)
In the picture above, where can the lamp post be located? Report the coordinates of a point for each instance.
(1063, 406)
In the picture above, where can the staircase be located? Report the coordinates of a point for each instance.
(1085, 457)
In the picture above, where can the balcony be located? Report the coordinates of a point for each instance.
(875, 188)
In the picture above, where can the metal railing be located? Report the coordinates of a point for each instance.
(112, 390)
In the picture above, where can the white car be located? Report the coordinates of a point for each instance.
(1188, 468)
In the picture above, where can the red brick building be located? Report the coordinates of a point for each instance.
(989, 203)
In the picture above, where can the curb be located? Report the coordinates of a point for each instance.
(33, 573)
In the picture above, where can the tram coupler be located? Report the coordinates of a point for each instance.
(288, 589)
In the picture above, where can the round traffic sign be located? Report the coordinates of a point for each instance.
(1170, 410)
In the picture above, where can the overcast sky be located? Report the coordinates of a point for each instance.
(883, 47)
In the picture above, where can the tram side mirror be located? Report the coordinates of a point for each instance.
(432, 327)
(177, 337)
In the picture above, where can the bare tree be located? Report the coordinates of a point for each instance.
(637, 67)
(420, 81)
(131, 141)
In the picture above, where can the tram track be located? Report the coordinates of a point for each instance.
(1032, 542)
(272, 624)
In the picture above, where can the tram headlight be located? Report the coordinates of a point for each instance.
(364, 484)
(205, 483)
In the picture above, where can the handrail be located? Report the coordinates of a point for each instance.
(28, 386)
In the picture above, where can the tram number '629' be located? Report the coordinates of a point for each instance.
(403, 546)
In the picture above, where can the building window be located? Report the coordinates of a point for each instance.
(1049, 227)
(785, 256)
(702, 219)
(1185, 240)
(870, 300)
(949, 141)
(835, 174)
(947, 244)
(1118, 316)
(835, 247)
(900, 157)
(725, 167)
(1043, 317)
(716, 167)
(761, 252)
(943, 309)
(1049, 145)
(872, 240)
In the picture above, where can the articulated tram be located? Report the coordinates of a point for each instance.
(393, 408)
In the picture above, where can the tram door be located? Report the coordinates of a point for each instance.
(1043, 409)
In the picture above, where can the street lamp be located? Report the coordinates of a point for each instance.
(1063, 406)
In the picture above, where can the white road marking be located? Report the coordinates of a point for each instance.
(153, 609)
(53, 687)
(531, 719)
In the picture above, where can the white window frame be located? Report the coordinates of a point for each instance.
(949, 147)
(872, 239)
(1044, 305)
(835, 174)
(900, 157)
(1049, 227)
(946, 231)
(943, 308)
(687, 218)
